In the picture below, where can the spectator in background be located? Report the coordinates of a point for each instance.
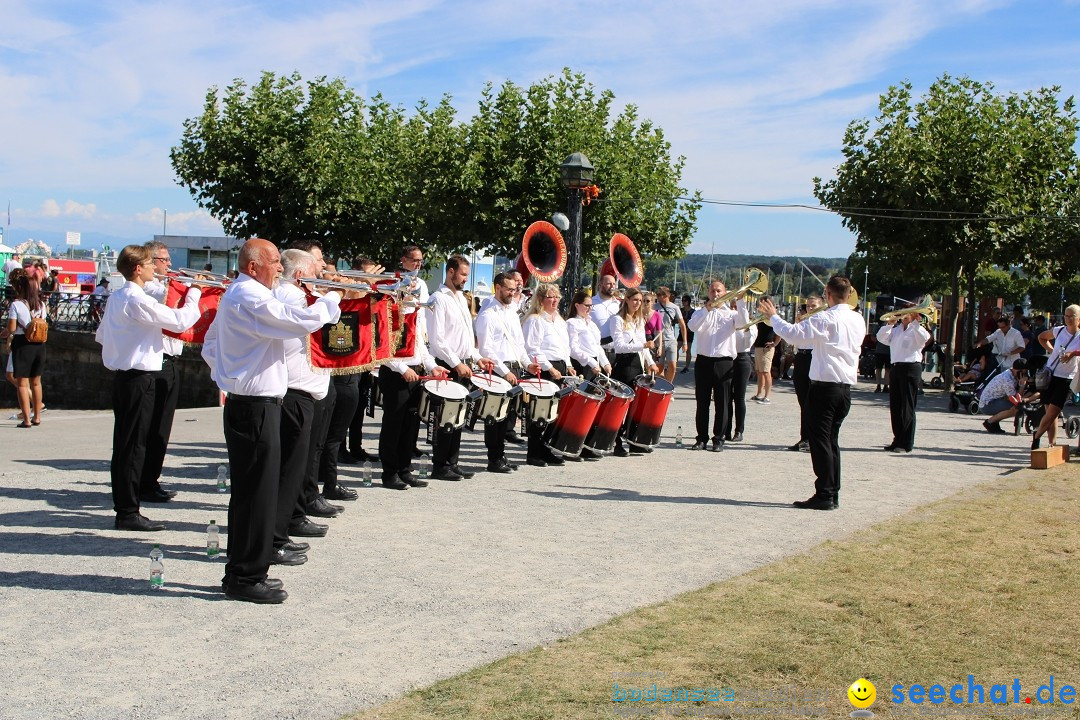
(687, 311)
(882, 365)
(1038, 327)
(673, 330)
(102, 289)
(1029, 337)
(13, 263)
(764, 349)
(1007, 341)
(28, 359)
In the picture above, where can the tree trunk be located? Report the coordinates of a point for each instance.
(972, 315)
(948, 325)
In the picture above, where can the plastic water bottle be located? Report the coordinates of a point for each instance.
(221, 485)
(421, 468)
(367, 473)
(678, 436)
(213, 540)
(157, 569)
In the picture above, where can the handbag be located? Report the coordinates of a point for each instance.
(36, 331)
(1046, 373)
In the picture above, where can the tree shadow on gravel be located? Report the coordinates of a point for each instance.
(70, 465)
(1000, 458)
(108, 584)
(623, 495)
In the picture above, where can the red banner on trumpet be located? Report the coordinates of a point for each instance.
(361, 339)
(208, 304)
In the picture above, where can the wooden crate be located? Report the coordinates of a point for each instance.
(1049, 457)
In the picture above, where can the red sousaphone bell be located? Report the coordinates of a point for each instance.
(543, 253)
(623, 262)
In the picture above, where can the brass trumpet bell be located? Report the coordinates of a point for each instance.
(624, 261)
(756, 283)
(543, 253)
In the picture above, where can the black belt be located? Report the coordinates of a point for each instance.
(803, 352)
(606, 340)
(829, 384)
(132, 372)
(269, 400)
(295, 391)
(913, 362)
(713, 357)
(745, 353)
(168, 358)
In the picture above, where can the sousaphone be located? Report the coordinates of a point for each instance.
(543, 253)
(624, 262)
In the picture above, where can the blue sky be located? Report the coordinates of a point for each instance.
(755, 95)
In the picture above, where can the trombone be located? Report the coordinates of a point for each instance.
(194, 281)
(756, 283)
(852, 302)
(926, 308)
(398, 288)
(217, 276)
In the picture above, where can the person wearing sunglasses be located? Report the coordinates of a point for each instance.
(586, 354)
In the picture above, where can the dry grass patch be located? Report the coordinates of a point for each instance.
(985, 583)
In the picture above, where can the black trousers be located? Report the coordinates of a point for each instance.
(366, 382)
(536, 448)
(904, 381)
(166, 394)
(320, 423)
(831, 403)
(712, 391)
(253, 437)
(626, 368)
(297, 409)
(133, 408)
(740, 378)
(400, 422)
(447, 443)
(347, 391)
(800, 378)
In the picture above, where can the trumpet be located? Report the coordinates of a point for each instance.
(429, 305)
(926, 308)
(852, 302)
(358, 287)
(194, 281)
(756, 283)
(217, 276)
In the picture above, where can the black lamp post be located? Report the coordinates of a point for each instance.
(577, 174)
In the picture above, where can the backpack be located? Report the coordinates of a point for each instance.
(37, 331)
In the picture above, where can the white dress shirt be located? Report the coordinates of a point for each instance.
(744, 339)
(420, 355)
(585, 342)
(603, 313)
(499, 336)
(1004, 344)
(130, 331)
(835, 335)
(159, 290)
(546, 339)
(905, 344)
(297, 349)
(245, 345)
(628, 339)
(449, 328)
(714, 330)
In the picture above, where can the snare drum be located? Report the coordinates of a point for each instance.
(577, 410)
(494, 402)
(652, 396)
(448, 400)
(543, 403)
(611, 415)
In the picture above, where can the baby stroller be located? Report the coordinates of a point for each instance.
(1030, 413)
(966, 394)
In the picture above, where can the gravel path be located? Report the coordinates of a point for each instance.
(413, 586)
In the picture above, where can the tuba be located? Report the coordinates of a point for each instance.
(623, 262)
(543, 253)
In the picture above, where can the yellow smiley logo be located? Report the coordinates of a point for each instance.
(862, 693)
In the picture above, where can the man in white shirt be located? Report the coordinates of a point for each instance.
(800, 379)
(245, 349)
(13, 263)
(450, 332)
(836, 336)
(714, 327)
(1008, 342)
(740, 377)
(906, 341)
(605, 308)
(498, 334)
(132, 346)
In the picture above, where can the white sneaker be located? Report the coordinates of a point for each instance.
(764, 401)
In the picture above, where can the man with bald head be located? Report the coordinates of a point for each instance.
(245, 349)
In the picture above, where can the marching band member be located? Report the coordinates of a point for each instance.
(586, 354)
(800, 378)
(740, 375)
(245, 350)
(632, 356)
(836, 337)
(548, 344)
(365, 386)
(906, 341)
(450, 333)
(499, 336)
(132, 346)
(714, 328)
(605, 307)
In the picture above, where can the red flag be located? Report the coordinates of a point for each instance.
(208, 303)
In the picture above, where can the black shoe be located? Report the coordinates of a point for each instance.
(698, 446)
(804, 446)
(995, 429)
(553, 459)
(293, 546)
(718, 445)
(900, 450)
(445, 473)
(307, 529)
(282, 556)
(272, 583)
(417, 452)
(796, 447)
(621, 451)
(257, 593)
(137, 523)
(463, 473)
(737, 437)
(877, 389)
(501, 466)
(587, 454)
(1035, 443)
(321, 508)
(536, 462)
(513, 437)
(394, 483)
(636, 450)
(155, 496)
(339, 492)
(362, 455)
(347, 457)
(411, 480)
(816, 503)
(685, 370)
(890, 447)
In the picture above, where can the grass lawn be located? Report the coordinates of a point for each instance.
(984, 583)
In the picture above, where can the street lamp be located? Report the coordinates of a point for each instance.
(576, 173)
(865, 299)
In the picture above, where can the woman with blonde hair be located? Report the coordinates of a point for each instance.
(547, 343)
(632, 351)
(1063, 345)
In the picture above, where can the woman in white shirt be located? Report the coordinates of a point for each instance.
(632, 356)
(547, 343)
(28, 359)
(586, 355)
(1063, 345)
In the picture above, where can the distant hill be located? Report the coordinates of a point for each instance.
(785, 272)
